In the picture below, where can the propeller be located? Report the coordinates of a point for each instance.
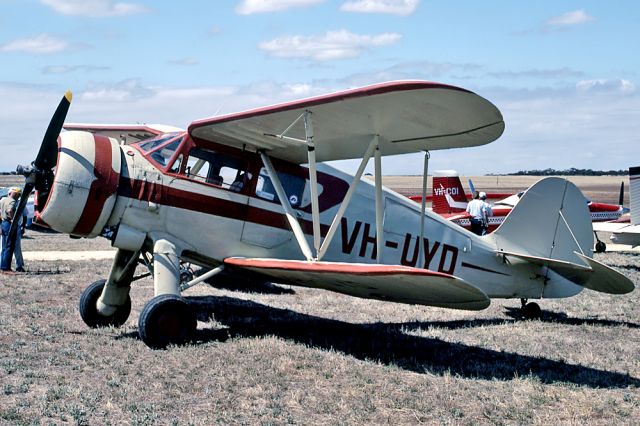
(621, 198)
(473, 188)
(40, 174)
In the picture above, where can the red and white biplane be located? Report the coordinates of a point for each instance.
(233, 194)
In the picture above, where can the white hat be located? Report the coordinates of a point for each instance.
(483, 195)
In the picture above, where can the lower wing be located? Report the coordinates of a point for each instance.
(372, 281)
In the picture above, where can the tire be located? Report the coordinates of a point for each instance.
(166, 320)
(601, 247)
(531, 311)
(89, 310)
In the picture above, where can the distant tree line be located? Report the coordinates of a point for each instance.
(570, 172)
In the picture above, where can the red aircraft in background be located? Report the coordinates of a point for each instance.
(450, 201)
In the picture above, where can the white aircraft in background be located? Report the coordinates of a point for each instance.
(626, 232)
(231, 194)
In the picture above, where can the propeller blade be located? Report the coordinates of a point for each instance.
(15, 223)
(473, 189)
(48, 154)
(621, 198)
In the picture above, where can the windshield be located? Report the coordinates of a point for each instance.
(163, 154)
(152, 144)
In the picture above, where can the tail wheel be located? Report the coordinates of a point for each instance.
(89, 308)
(531, 311)
(166, 320)
(601, 247)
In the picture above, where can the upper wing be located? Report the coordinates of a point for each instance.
(130, 132)
(383, 282)
(407, 116)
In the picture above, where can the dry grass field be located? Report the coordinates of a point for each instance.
(279, 355)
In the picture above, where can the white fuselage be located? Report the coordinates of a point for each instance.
(209, 224)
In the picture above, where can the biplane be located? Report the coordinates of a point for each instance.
(249, 194)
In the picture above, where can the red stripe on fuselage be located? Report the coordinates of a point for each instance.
(197, 202)
(104, 186)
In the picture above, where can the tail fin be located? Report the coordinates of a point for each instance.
(447, 182)
(634, 194)
(551, 227)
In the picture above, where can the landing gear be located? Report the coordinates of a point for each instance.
(600, 247)
(89, 308)
(530, 310)
(107, 302)
(166, 320)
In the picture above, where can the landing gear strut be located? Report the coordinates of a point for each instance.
(530, 310)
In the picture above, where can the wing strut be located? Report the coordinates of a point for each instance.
(379, 200)
(313, 178)
(423, 206)
(284, 201)
(322, 246)
(347, 198)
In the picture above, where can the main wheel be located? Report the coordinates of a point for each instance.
(601, 247)
(166, 320)
(531, 311)
(89, 308)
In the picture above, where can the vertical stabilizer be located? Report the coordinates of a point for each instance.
(447, 182)
(634, 194)
(551, 220)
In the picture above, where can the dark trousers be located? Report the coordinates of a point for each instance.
(5, 260)
(477, 227)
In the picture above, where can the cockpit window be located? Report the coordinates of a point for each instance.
(293, 186)
(163, 154)
(151, 144)
(218, 169)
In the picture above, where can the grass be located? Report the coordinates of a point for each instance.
(279, 355)
(276, 355)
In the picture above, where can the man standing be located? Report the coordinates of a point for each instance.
(480, 212)
(7, 214)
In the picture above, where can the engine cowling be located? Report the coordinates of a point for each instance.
(84, 189)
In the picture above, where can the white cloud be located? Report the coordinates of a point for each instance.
(604, 85)
(568, 19)
(248, 7)
(94, 8)
(333, 45)
(183, 61)
(546, 127)
(394, 7)
(40, 44)
(64, 69)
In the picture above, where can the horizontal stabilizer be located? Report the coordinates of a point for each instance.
(592, 275)
(606, 279)
(372, 281)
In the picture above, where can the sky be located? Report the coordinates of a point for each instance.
(565, 74)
